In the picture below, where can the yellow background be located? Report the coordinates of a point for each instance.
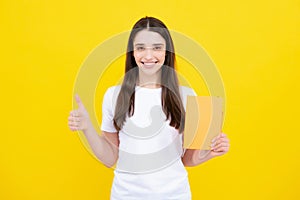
(255, 45)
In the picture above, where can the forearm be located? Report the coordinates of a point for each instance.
(102, 148)
(194, 157)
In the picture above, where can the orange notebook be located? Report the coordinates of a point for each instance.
(203, 121)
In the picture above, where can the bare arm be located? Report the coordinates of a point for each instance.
(105, 146)
(194, 157)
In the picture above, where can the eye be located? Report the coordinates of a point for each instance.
(140, 48)
(158, 48)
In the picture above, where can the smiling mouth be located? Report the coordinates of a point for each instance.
(149, 64)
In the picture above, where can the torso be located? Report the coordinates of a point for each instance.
(150, 152)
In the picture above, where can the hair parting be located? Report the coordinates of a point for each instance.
(170, 96)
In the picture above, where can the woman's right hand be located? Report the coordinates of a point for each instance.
(79, 119)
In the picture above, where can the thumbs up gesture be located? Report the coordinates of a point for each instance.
(79, 119)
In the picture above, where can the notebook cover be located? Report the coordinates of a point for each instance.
(203, 121)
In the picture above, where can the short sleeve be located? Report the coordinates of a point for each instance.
(186, 91)
(108, 110)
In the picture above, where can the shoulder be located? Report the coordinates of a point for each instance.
(184, 92)
(113, 91)
(111, 94)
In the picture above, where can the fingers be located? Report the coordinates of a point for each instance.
(74, 120)
(73, 126)
(78, 119)
(220, 146)
(221, 135)
(218, 139)
(220, 143)
(74, 113)
(221, 140)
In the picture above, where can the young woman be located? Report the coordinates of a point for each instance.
(143, 122)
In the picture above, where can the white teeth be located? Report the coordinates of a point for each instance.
(149, 63)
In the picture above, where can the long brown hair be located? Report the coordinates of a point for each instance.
(170, 95)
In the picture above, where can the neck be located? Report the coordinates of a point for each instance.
(149, 81)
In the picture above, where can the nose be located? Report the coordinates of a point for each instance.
(148, 53)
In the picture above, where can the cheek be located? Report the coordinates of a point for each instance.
(162, 57)
(136, 56)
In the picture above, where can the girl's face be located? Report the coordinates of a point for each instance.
(149, 52)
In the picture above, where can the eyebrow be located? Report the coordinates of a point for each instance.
(156, 44)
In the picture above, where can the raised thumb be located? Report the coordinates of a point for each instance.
(78, 101)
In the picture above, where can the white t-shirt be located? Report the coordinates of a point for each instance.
(150, 150)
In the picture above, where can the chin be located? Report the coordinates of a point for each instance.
(150, 70)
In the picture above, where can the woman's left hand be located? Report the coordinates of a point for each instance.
(219, 145)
